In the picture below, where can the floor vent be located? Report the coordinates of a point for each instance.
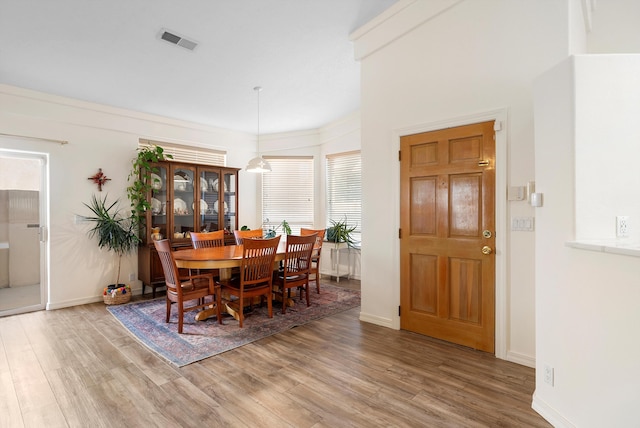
(178, 40)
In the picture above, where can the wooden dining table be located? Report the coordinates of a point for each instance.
(224, 258)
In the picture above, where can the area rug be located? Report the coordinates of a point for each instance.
(203, 339)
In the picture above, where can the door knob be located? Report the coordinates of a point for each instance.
(486, 250)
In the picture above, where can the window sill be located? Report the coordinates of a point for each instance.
(623, 248)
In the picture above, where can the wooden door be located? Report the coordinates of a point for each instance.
(448, 234)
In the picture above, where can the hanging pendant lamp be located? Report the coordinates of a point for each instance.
(258, 164)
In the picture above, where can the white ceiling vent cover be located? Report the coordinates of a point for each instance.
(175, 39)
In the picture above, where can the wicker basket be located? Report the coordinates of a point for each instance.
(122, 295)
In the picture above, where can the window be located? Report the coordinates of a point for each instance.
(189, 154)
(344, 190)
(287, 193)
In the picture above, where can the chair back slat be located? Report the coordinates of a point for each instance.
(168, 266)
(319, 238)
(258, 257)
(207, 239)
(298, 256)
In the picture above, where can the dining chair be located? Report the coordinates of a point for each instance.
(240, 235)
(184, 290)
(207, 239)
(295, 268)
(256, 274)
(314, 270)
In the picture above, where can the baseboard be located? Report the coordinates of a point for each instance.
(549, 413)
(524, 360)
(84, 300)
(373, 319)
(73, 302)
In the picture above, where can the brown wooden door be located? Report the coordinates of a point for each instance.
(447, 217)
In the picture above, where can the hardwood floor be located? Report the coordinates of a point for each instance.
(78, 367)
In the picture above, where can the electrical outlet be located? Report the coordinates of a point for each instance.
(132, 277)
(548, 375)
(622, 226)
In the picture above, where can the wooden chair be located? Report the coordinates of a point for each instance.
(295, 270)
(241, 234)
(207, 239)
(256, 273)
(315, 256)
(183, 290)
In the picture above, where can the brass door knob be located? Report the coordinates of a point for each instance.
(486, 250)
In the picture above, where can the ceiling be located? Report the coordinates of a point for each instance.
(110, 52)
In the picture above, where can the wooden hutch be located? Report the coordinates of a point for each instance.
(185, 198)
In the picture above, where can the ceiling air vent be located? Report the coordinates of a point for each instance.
(178, 40)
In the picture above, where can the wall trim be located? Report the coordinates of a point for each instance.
(549, 413)
(392, 24)
(135, 291)
(522, 359)
(374, 319)
(499, 115)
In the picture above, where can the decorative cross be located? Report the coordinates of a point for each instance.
(99, 178)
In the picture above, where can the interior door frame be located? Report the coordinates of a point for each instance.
(500, 116)
(44, 226)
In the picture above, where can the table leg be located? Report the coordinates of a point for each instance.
(225, 273)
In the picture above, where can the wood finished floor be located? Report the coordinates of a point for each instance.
(78, 367)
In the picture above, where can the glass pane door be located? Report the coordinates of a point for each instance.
(230, 204)
(159, 204)
(22, 236)
(209, 186)
(183, 203)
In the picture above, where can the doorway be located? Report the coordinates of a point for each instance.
(447, 245)
(23, 210)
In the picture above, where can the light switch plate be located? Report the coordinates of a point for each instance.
(522, 224)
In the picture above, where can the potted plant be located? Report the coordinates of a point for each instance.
(340, 231)
(271, 232)
(117, 234)
(140, 179)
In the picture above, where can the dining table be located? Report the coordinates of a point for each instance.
(223, 258)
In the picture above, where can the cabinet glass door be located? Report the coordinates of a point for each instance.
(159, 204)
(230, 202)
(209, 194)
(183, 202)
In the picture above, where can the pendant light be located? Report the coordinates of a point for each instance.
(258, 164)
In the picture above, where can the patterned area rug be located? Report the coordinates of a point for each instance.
(203, 339)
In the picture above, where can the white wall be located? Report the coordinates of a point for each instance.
(99, 137)
(614, 27)
(587, 317)
(476, 57)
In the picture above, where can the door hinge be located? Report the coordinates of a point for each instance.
(399, 155)
(400, 233)
(398, 310)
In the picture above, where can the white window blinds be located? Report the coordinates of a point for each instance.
(189, 154)
(344, 190)
(287, 193)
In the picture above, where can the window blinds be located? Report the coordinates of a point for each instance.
(344, 190)
(189, 154)
(287, 193)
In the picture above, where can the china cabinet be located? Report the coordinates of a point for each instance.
(184, 198)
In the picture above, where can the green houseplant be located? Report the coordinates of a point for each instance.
(140, 180)
(271, 232)
(340, 231)
(114, 232)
